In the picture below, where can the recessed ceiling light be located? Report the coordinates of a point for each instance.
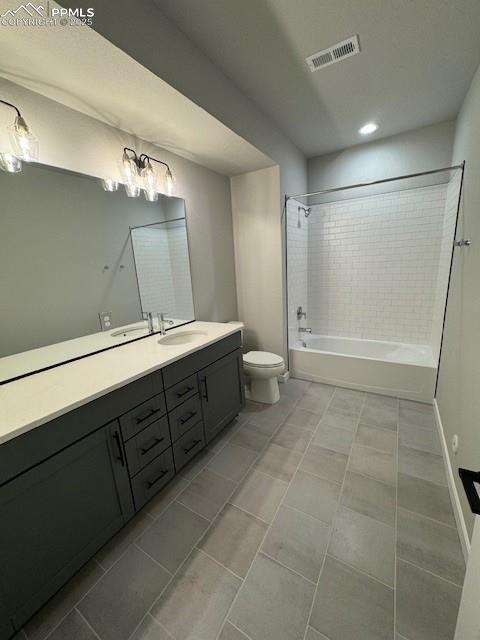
(368, 128)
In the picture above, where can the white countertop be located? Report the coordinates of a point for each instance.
(33, 401)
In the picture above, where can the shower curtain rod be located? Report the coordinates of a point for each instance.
(383, 181)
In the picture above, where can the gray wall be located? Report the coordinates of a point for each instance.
(77, 142)
(458, 394)
(410, 152)
(167, 52)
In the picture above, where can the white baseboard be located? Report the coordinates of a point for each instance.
(452, 487)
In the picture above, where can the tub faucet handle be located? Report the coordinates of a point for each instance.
(301, 313)
(305, 330)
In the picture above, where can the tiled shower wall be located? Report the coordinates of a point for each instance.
(448, 231)
(376, 267)
(163, 270)
(297, 257)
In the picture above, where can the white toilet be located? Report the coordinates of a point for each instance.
(263, 368)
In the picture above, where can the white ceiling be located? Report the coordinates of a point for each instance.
(80, 69)
(417, 60)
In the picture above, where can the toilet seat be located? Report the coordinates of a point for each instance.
(262, 359)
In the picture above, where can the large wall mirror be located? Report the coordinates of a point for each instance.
(73, 255)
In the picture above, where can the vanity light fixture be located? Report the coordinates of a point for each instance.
(139, 174)
(109, 185)
(25, 144)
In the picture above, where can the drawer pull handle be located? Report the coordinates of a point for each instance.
(148, 414)
(205, 396)
(188, 417)
(152, 483)
(180, 394)
(152, 446)
(116, 437)
(194, 444)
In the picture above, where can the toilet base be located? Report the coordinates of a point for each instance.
(264, 390)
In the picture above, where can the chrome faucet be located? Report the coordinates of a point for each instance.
(148, 316)
(301, 313)
(161, 323)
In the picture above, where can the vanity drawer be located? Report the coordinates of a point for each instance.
(146, 445)
(181, 391)
(152, 478)
(143, 415)
(185, 416)
(188, 445)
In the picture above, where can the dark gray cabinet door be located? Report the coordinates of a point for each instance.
(222, 392)
(6, 627)
(57, 515)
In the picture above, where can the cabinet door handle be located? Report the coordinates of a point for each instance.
(194, 444)
(152, 446)
(188, 417)
(148, 414)
(205, 386)
(180, 394)
(151, 483)
(116, 437)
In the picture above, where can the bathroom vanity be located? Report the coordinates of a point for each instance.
(84, 446)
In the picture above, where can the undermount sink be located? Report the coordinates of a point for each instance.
(182, 337)
(128, 331)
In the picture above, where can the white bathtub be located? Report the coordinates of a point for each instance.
(389, 368)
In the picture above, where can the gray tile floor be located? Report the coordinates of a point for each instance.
(324, 517)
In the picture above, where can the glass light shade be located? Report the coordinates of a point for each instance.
(132, 190)
(10, 163)
(149, 177)
(25, 143)
(151, 195)
(169, 182)
(129, 169)
(109, 185)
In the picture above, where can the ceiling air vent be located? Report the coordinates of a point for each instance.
(335, 53)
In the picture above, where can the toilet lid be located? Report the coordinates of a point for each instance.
(262, 359)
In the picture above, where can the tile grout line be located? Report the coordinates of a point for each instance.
(274, 515)
(435, 575)
(334, 516)
(86, 622)
(396, 527)
(421, 515)
(361, 571)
